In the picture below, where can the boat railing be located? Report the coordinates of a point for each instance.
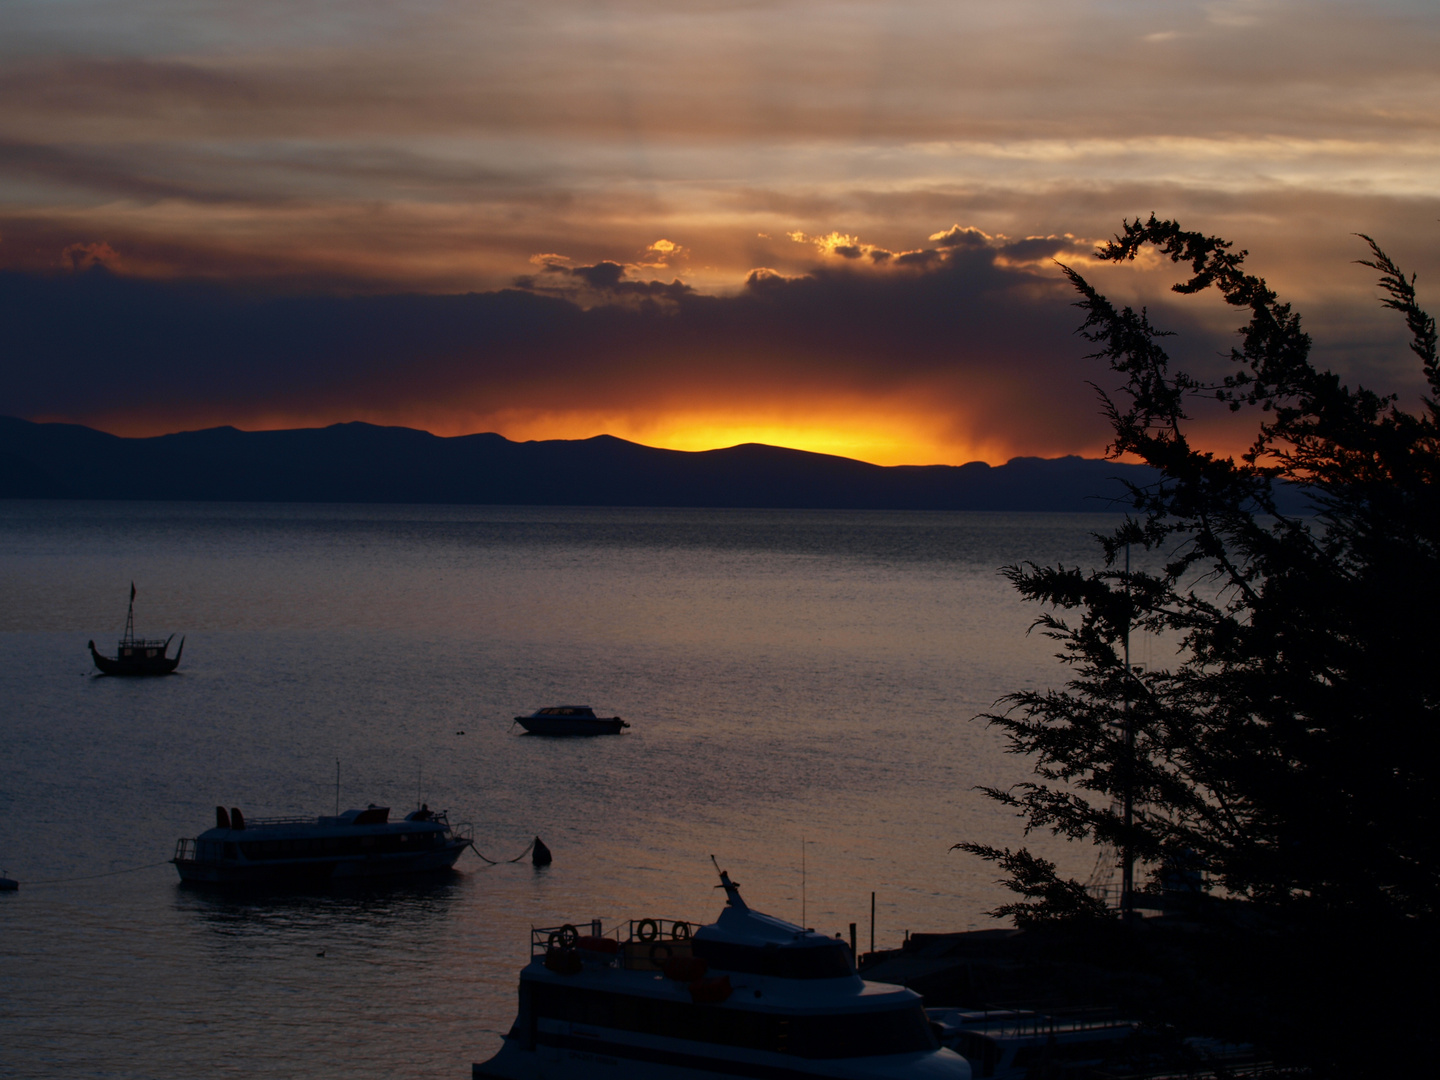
(256, 822)
(649, 931)
(1026, 1023)
(145, 643)
(641, 944)
(461, 830)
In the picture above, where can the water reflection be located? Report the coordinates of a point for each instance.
(790, 676)
(383, 907)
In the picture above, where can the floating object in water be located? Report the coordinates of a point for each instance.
(357, 843)
(570, 720)
(137, 656)
(8, 884)
(670, 996)
(540, 854)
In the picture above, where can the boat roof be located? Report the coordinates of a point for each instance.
(373, 818)
(746, 926)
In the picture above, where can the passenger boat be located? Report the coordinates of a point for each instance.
(570, 720)
(289, 851)
(137, 656)
(748, 995)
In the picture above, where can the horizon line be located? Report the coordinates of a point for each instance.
(522, 442)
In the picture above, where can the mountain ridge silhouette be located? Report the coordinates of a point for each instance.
(358, 462)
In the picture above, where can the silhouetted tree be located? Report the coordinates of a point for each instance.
(1288, 753)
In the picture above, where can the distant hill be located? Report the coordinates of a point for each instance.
(362, 463)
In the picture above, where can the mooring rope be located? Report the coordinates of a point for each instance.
(91, 877)
(496, 862)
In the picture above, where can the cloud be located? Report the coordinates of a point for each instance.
(971, 344)
(604, 283)
(86, 256)
(960, 236)
(662, 254)
(985, 350)
(1045, 248)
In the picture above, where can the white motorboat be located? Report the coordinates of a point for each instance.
(287, 851)
(748, 995)
(570, 720)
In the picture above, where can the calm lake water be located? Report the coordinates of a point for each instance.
(791, 678)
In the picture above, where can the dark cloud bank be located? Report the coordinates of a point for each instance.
(960, 326)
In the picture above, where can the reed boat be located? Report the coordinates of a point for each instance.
(137, 656)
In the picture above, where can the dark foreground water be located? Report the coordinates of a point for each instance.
(790, 677)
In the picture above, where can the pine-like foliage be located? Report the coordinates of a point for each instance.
(1288, 750)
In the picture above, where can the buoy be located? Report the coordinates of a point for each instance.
(540, 856)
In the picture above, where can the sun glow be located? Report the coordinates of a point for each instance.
(875, 437)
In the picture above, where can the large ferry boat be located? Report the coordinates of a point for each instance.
(749, 995)
(292, 850)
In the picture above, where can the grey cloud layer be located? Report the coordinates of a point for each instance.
(310, 148)
(996, 340)
(963, 329)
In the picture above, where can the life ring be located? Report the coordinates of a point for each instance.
(655, 950)
(680, 931)
(567, 937)
(647, 930)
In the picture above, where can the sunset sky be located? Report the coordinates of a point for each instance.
(815, 224)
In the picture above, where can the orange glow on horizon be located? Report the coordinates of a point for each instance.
(877, 438)
(880, 438)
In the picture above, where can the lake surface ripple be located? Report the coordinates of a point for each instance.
(790, 676)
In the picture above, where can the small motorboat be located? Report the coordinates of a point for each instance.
(137, 656)
(297, 851)
(570, 720)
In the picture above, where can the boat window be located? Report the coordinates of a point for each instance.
(316, 847)
(830, 961)
(838, 1035)
(897, 1031)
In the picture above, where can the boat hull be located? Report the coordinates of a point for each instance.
(586, 1058)
(318, 871)
(571, 725)
(153, 665)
